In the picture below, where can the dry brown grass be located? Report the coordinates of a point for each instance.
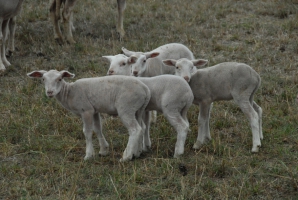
(42, 145)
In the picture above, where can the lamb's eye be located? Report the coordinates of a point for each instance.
(60, 79)
(123, 64)
(177, 67)
(144, 61)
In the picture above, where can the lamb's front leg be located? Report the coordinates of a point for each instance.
(204, 130)
(104, 145)
(87, 118)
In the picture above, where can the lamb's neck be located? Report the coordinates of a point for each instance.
(62, 96)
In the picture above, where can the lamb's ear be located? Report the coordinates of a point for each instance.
(66, 74)
(36, 74)
(108, 58)
(131, 60)
(199, 62)
(170, 62)
(127, 52)
(151, 55)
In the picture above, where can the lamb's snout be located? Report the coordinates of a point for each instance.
(50, 93)
(135, 73)
(186, 78)
(111, 72)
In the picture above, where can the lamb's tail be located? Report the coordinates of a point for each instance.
(141, 111)
(147, 99)
(256, 87)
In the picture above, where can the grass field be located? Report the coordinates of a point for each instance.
(42, 145)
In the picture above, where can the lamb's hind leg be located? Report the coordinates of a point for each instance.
(97, 126)
(146, 138)
(135, 136)
(181, 127)
(259, 110)
(12, 29)
(204, 130)
(253, 118)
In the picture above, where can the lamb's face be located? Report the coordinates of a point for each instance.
(119, 65)
(53, 82)
(139, 62)
(139, 66)
(185, 68)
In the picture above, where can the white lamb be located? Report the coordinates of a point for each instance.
(121, 65)
(225, 81)
(8, 11)
(88, 97)
(170, 95)
(141, 65)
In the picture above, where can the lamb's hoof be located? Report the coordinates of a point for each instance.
(197, 145)
(2, 68)
(177, 156)
(125, 159)
(87, 158)
(6, 63)
(255, 149)
(103, 153)
(146, 148)
(126, 156)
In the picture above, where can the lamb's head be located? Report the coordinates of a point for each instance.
(138, 62)
(185, 67)
(119, 65)
(53, 80)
